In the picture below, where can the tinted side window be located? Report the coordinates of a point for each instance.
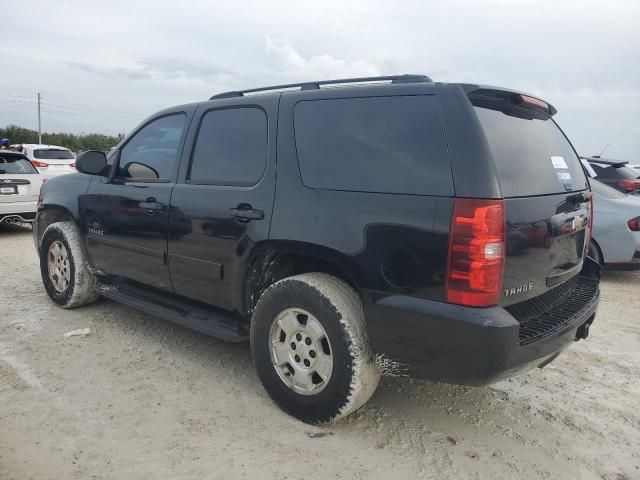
(375, 144)
(151, 154)
(231, 148)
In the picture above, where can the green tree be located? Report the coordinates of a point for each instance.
(90, 141)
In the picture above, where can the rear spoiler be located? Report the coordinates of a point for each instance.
(510, 102)
(605, 161)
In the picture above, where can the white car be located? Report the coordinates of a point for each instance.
(20, 185)
(616, 228)
(50, 159)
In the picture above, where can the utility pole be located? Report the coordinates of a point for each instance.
(39, 121)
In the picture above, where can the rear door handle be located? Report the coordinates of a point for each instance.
(245, 213)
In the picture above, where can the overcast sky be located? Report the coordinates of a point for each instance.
(103, 66)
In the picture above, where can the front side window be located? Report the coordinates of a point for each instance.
(231, 148)
(152, 153)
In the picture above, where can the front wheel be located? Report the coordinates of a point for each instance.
(310, 348)
(64, 269)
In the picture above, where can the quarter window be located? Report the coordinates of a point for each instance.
(151, 154)
(375, 144)
(231, 148)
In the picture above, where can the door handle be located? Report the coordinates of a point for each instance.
(150, 206)
(245, 213)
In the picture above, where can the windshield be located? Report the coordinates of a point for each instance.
(15, 165)
(53, 154)
(532, 155)
(613, 172)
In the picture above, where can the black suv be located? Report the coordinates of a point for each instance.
(347, 228)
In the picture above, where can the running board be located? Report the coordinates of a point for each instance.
(213, 322)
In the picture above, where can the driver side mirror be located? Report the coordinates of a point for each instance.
(92, 162)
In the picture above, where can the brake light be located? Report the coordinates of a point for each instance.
(475, 266)
(38, 164)
(634, 224)
(628, 185)
(535, 102)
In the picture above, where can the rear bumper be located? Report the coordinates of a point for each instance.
(455, 344)
(25, 211)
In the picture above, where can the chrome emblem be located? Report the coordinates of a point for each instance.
(510, 292)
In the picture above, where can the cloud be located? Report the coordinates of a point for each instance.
(289, 63)
(157, 68)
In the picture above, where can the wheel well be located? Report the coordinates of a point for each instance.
(595, 245)
(267, 268)
(46, 218)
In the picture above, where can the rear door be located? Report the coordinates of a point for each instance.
(221, 207)
(546, 197)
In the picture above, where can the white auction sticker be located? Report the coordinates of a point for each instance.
(558, 162)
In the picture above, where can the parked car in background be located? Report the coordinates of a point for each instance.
(635, 168)
(615, 241)
(20, 186)
(374, 235)
(50, 159)
(615, 173)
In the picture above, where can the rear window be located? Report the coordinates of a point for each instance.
(533, 157)
(374, 144)
(53, 154)
(13, 165)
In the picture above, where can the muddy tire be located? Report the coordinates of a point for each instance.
(310, 348)
(64, 268)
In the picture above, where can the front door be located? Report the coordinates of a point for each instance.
(127, 216)
(221, 206)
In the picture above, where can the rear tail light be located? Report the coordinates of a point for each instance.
(72, 165)
(38, 164)
(628, 185)
(634, 224)
(475, 266)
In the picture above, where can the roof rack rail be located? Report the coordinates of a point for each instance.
(407, 78)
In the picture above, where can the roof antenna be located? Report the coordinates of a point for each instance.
(604, 149)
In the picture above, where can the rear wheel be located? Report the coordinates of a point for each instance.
(310, 348)
(64, 269)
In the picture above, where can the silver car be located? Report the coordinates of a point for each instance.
(20, 185)
(616, 228)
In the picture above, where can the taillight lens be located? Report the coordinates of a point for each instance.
(475, 266)
(634, 224)
(628, 185)
(72, 165)
(38, 164)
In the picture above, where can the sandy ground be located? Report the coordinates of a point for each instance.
(142, 398)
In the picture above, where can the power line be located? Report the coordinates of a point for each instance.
(59, 110)
(15, 96)
(88, 109)
(93, 107)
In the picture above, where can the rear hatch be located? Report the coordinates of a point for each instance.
(546, 193)
(19, 181)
